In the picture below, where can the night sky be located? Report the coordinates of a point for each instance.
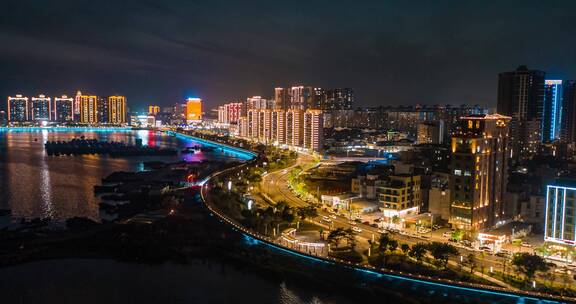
(391, 53)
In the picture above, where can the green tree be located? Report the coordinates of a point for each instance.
(405, 248)
(307, 212)
(529, 264)
(387, 243)
(542, 250)
(457, 235)
(335, 237)
(441, 252)
(418, 251)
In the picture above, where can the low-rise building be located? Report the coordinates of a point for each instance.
(560, 220)
(400, 195)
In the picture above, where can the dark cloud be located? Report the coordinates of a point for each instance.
(391, 52)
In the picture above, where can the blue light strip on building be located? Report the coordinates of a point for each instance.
(553, 208)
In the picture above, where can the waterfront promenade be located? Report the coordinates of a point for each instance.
(521, 296)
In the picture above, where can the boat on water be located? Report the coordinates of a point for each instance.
(189, 150)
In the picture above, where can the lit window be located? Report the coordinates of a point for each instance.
(458, 172)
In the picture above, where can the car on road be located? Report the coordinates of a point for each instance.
(424, 230)
(356, 229)
(486, 249)
(447, 234)
(333, 216)
(561, 270)
(524, 244)
(326, 219)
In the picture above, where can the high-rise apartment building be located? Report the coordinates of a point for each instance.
(102, 105)
(193, 110)
(430, 132)
(63, 109)
(478, 178)
(279, 119)
(318, 99)
(153, 109)
(521, 96)
(338, 99)
(568, 117)
(116, 109)
(552, 110)
(301, 97)
(77, 107)
(560, 218)
(230, 113)
(313, 130)
(89, 109)
(41, 108)
(282, 98)
(259, 103)
(18, 108)
(294, 127)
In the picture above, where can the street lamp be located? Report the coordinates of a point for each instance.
(431, 223)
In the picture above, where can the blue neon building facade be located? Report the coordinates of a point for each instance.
(552, 110)
(560, 225)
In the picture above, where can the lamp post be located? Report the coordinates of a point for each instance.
(431, 223)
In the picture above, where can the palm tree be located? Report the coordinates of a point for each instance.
(335, 236)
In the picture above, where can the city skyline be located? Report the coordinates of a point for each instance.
(406, 151)
(390, 57)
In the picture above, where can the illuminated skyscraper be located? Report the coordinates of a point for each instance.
(279, 118)
(252, 123)
(282, 98)
(258, 103)
(313, 130)
(63, 109)
(77, 107)
(193, 110)
(568, 117)
(338, 99)
(102, 105)
(18, 108)
(88, 109)
(41, 108)
(230, 113)
(479, 165)
(294, 128)
(116, 109)
(552, 112)
(301, 97)
(153, 109)
(430, 132)
(521, 96)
